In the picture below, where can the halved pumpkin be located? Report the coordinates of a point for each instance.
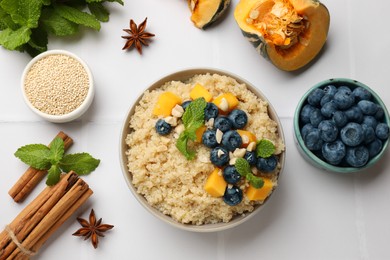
(206, 12)
(290, 33)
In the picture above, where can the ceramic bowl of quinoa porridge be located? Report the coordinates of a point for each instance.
(202, 150)
(58, 86)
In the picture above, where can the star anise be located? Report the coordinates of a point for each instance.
(137, 37)
(92, 229)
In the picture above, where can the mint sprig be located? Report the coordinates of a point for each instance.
(54, 160)
(244, 169)
(193, 118)
(25, 25)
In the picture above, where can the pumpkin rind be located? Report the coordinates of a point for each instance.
(206, 12)
(315, 18)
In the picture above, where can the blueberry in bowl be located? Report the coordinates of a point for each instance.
(341, 125)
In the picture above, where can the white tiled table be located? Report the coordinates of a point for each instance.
(312, 215)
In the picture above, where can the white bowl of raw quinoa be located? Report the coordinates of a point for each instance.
(188, 189)
(57, 85)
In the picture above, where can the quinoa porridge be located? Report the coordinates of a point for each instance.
(167, 179)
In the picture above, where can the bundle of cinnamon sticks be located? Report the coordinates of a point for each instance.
(31, 177)
(25, 235)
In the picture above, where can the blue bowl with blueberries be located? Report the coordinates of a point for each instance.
(341, 125)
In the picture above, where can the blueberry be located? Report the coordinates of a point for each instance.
(325, 99)
(185, 104)
(345, 89)
(231, 140)
(211, 111)
(343, 98)
(305, 113)
(267, 164)
(367, 107)
(316, 117)
(209, 138)
(328, 109)
(238, 118)
(352, 134)
(250, 157)
(328, 130)
(354, 114)
(340, 118)
(222, 123)
(306, 129)
(380, 113)
(361, 93)
(369, 133)
(357, 156)
(374, 147)
(162, 127)
(219, 156)
(232, 196)
(330, 90)
(313, 140)
(382, 131)
(314, 98)
(334, 152)
(231, 175)
(370, 121)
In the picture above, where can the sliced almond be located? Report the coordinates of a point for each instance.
(251, 146)
(224, 105)
(218, 136)
(232, 161)
(220, 153)
(210, 123)
(239, 152)
(179, 129)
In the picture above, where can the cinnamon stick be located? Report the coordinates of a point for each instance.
(43, 216)
(31, 177)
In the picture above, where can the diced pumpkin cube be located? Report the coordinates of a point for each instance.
(165, 102)
(215, 184)
(226, 102)
(247, 137)
(260, 194)
(199, 91)
(199, 133)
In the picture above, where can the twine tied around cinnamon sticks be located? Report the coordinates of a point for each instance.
(31, 177)
(42, 217)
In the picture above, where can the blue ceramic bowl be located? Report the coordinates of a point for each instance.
(316, 160)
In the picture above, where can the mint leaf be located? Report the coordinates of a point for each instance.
(57, 150)
(118, 1)
(23, 12)
(194, 113)
(38, 41)
(99, 11)
(81, 163)
(181, 145)
(56, 24)
(54, 174)
(6, 21)
(193, 118)
(265, 148)
(35, 155)
(244, 169)
(12, 40)
(242, 166)
(75, 15)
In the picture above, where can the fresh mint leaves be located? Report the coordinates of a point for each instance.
(26, 24)
(265, 148)
(193, 118)
(244, 169)
(55, 161)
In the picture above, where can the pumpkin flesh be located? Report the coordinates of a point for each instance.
(289, 33)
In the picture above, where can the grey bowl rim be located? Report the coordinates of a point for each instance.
(183, 75)
(311, 156)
